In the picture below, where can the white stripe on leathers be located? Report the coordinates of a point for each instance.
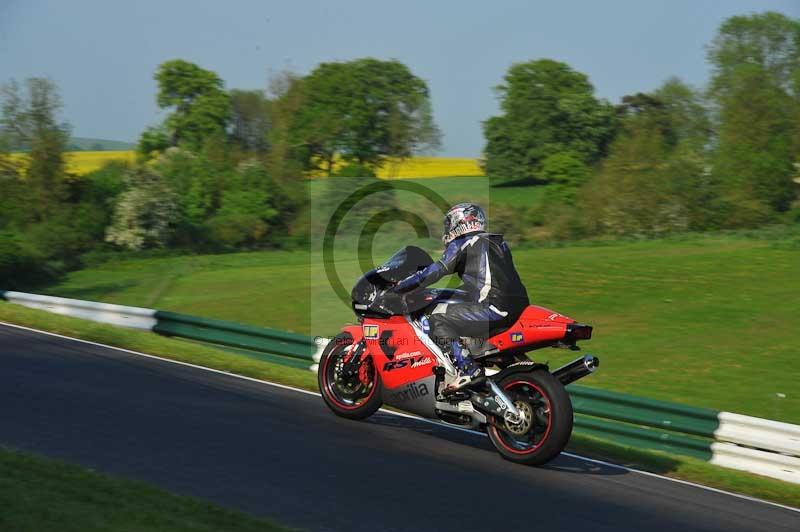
(487, 282)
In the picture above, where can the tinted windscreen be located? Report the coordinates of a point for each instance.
(406, 261)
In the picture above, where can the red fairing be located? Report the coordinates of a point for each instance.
(536, 325)
(354, 331)
(397, 352)
(401, 357)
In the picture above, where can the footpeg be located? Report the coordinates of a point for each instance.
(454, 396)
(471, 385)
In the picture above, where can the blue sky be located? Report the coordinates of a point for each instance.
(102, 54)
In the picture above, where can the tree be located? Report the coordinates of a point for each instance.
(195, 182)
(638, 191)
(651, 109)
(251, 120)
(10, 184)
(756, 89)
(655, 179)
(565, 173)
(145, 214)
(47, 217)
(547, 108)
(317, 130)
(363, 111)
(678, 113)
(287, 155)
(246, 209)
(770, 40)
(200, 106)
(12, 195)
(29, 122)
(153, 139)
(754, 158)
(690, 128)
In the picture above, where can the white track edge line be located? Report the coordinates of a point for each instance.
(402, 414)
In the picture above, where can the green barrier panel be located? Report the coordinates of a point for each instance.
(233, 339)
(249, 330)
(641, 437)
(643, 411)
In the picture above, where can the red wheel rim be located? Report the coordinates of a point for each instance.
(503, 438)
(329, 385)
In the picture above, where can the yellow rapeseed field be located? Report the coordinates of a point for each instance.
(431, 167)
(416, 167)
(83, 162)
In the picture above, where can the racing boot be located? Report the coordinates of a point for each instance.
(468, 370)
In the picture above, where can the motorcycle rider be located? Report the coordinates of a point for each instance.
(496, 294)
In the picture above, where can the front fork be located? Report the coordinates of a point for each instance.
(352, 361)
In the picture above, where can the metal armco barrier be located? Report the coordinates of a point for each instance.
(259, 339)
(270, 345)
(642, 411)
(133, 317)
(642, 437)
(642, 422)
(747, 443)
(752, 444)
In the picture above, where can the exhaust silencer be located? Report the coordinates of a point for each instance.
(577, 369)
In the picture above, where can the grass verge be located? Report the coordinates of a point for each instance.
(45, 495)
(668, 465)
(707, 321)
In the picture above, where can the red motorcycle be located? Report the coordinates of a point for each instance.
(390, 359)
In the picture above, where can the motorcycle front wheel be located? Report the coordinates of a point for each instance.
(544, 426)
(354, 396)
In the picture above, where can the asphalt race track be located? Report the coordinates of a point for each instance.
(280, 453)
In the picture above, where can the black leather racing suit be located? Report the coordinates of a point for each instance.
(497, 296)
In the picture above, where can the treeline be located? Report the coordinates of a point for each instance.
(224, 171)
(675, 159)
(226, 168)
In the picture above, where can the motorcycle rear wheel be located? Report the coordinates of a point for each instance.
(355, 398)
(546, 424)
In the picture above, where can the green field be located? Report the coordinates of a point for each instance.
(457, 189)
(44, 495)
(707, 321)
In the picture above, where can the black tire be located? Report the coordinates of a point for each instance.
(550, 426)
(358, 401)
